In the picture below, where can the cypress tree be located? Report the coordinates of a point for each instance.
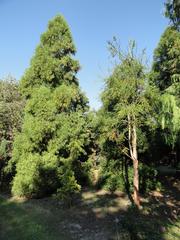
(54, 136)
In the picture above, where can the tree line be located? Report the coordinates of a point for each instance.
(50, 141)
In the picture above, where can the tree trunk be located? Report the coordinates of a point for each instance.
(136, 183)
(134, 157)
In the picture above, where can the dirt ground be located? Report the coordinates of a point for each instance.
(96, 215)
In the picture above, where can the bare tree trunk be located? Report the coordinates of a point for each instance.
(136, 183)
(134, 157)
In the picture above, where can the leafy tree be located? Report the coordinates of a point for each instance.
(166, 77)
(166, 63)
(173, 12)
(11, 105)
(52, 148)
(125, 106)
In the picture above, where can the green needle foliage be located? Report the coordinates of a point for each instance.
(170, 119)
(11, 105)
(166, 77)
(53, 145)
(166, 64)
(126, 107)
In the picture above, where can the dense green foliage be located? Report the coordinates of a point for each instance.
(11, 105)
(51, 144)
(124, 94)
(166, 60)
(58, 143)
(51, 152)
(166, 77)
(127, 94)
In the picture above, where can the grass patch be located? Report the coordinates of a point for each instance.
(23, 221)
(95, 215)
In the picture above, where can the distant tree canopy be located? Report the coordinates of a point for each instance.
(11, 109)
(166, 63)
(50, 153)
(173, 12)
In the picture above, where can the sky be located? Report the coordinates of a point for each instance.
(92, 22)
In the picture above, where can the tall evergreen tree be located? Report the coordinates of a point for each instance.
(166, 77)
(125, 106)
(54, 137)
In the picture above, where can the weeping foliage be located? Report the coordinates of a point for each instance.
(170, 118)
(166, 77)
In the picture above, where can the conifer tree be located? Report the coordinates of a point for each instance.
(166, 77)
(166, 62)
(54, 138)
(125, 106)
(11, 105)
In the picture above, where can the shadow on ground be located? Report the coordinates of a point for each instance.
(95, 215)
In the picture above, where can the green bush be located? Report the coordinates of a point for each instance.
(114, 176)
(148, 178)
(69, 187)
